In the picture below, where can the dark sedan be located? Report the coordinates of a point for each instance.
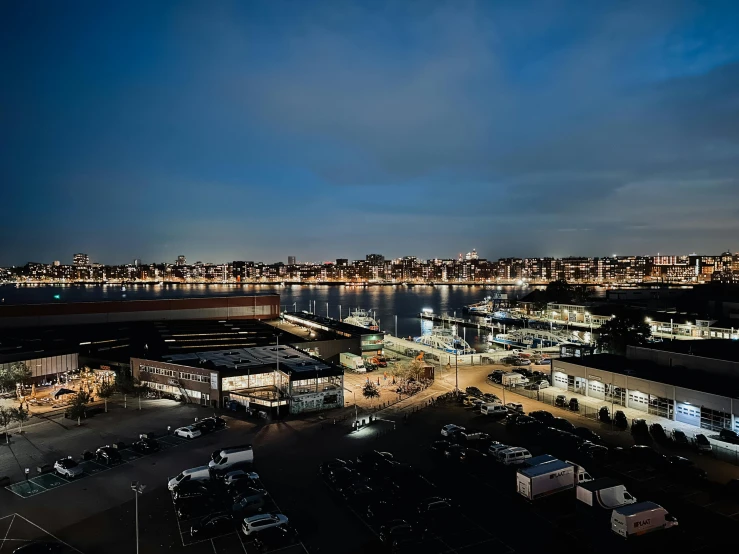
(146, 446)
(108, 455)
(214, 525)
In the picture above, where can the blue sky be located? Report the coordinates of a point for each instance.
(258, 130)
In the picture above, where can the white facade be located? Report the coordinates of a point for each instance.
(701, 409)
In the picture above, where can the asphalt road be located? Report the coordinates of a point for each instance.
(96, 514)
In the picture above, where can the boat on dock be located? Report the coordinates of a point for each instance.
(361, 318)
(484, 306)
(537, 339)
(505, 317)
(446, 340)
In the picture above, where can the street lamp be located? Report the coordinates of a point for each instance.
(137, 488)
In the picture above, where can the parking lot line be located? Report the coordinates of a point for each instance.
(50, 534)
(7, 532)
(26, 488)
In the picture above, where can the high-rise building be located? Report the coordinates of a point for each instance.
(181, 260)
(137, 262)
(291, 260)
(57, 263)
(81, 259)
(375, 259)
(471, 255)
(342, 262)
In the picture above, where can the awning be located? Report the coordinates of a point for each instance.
(60, 392)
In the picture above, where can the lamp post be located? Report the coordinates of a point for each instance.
(672, 332)
(137, 488)
(396, 325)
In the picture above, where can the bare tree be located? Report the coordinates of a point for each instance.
(21, 416)
(6, 417)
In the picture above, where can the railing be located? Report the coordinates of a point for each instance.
(183, 391)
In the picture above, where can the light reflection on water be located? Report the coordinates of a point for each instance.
(385, 302)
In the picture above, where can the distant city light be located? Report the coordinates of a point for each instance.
(428, 311)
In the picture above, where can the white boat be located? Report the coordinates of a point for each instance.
(361, 318)
(484, 306)
(536, 339)
(447, 340)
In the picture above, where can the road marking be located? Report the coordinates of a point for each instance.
(8, 531)
(213, 545)
(51, 535)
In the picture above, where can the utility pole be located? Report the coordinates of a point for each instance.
(137, 488)
(456, 370)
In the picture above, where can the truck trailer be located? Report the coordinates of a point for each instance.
(352, 361)
(639, 519)
(604, 494)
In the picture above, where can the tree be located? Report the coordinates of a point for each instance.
(17, 373)
(79, 405)
(6, 416)
(627, 329)
(370, 391)
(105, 391)
(559, 291)
(21, 416)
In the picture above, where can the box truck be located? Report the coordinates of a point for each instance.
(640, 518)
(352, 361)
(604, 494)
(545, 479)
(513, 379)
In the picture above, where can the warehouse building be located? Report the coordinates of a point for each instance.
(693, 382)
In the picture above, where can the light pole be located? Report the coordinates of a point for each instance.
(396, 325)
(339, 312)
(137, 488)
(326, 309)
(672, 332)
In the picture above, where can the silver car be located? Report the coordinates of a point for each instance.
(67, 467)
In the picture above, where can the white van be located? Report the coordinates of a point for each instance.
(232, 458)
(513, 456)
(493, 408)
(201, 473)
(640, 518)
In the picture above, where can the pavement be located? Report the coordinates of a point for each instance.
(97, 513)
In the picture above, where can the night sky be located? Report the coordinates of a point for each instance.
(257, 130)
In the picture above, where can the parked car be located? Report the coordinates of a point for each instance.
(594, 452)
(543, 416)
(240, 475)
(473, 435)
(188, 432)
(326, 467)
(540, 385)
(515, 407)
(702, 443)
(587, 434)
(213, 525)
(562, 424)
(574, 404)
(560, 401)
(274, 538)
(639, 427)
(647, 455)
(190, 489)
(683, 468)
(620, 420)
(249, 502)
(489, 397)
(67, 467)
(244, 486)
(146, 446)
(451, 429)
(473, 391)
(258, 522)
(679, 438)
(108, 455)
(219, 422)
(544, 361)
(658, 433)
(728, 435)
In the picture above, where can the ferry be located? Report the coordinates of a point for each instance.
(361, 318)
(484, 306)
(447, 340)
(506, 317)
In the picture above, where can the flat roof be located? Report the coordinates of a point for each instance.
(545, 468)
(600, 484)
(330, 324)
(259, 359)
(121, 341)
(702, 381)
(716, 349)
(631, 509)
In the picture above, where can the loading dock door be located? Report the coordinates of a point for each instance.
(560, 380)
(687, 413)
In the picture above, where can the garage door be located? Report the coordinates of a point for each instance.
(597, 390)
(638, 401)
(560, 380)
(687, 413)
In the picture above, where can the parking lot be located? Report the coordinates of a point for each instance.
(48, 481)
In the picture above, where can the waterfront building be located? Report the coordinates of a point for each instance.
(81, 260)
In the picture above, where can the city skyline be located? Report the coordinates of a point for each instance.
(139, 129)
